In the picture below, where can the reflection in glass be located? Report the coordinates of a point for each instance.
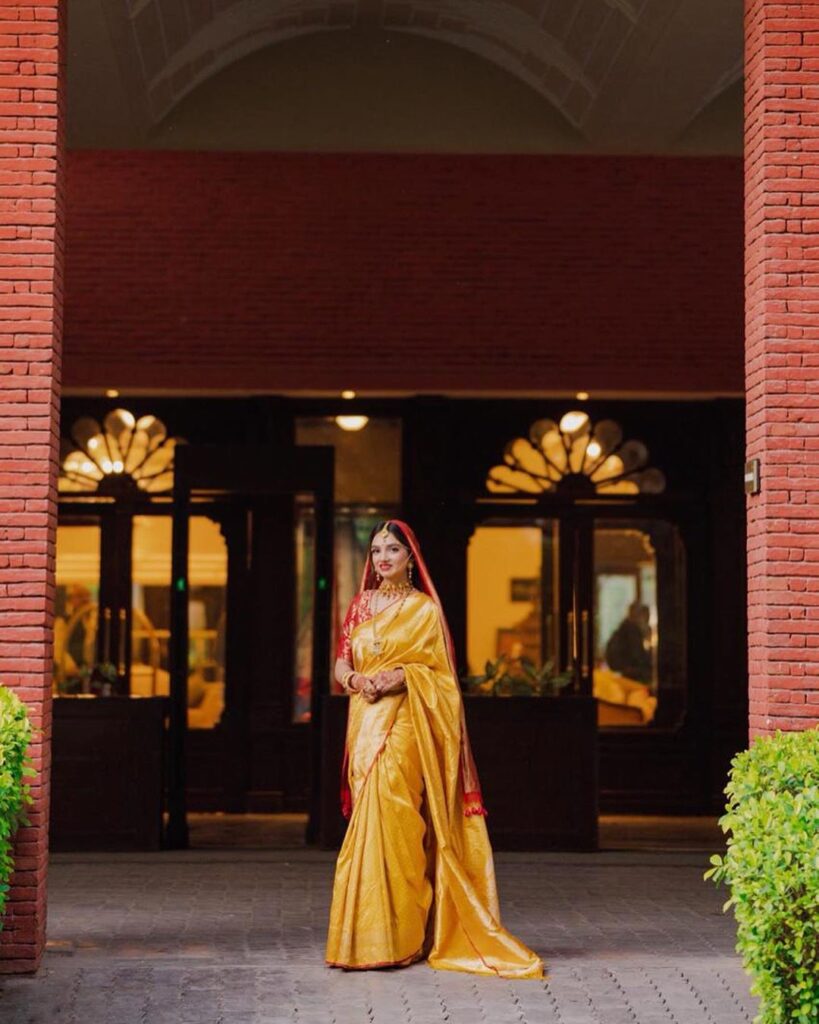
(367, 489)
(151, 613)
(639, 634)
(512, 595)
(76, 607)
(638, 611)
(305, 598)
(352, 527)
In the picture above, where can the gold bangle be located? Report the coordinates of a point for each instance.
(345, 680)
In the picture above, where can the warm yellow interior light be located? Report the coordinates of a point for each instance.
(593, 450)
(574, 422)
(582, 396)
(352, 422)
(348, 394)
(112, 393)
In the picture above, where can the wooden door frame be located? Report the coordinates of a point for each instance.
(577, 518)
(246, 471)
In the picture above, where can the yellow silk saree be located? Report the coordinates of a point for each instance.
(415, 876)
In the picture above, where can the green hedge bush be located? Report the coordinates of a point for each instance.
(772, 868)
(15, 735)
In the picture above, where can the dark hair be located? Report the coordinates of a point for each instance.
(390, 527)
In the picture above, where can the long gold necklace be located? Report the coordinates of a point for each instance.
(377, 643)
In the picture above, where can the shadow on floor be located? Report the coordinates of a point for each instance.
(617, 832)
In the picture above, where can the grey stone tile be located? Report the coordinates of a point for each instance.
(218, 938)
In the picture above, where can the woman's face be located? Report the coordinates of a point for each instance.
(390, 557)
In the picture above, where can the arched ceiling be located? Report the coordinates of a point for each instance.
(625, 75)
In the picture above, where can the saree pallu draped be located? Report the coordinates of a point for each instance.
(415, 875)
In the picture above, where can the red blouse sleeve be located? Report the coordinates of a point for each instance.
(344, 648)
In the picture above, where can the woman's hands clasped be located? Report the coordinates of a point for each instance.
(380, 685)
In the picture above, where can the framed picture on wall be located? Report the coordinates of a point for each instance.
(524, 589)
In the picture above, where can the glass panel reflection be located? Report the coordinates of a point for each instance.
(352, 527)
(512, 595)
(150, 605)
(367, 489)
(639, 626)
(76, 607)
(150, 627)
(305, 595)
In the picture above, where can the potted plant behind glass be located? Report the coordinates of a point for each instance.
(516, 677)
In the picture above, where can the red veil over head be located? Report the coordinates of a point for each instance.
(473, 801)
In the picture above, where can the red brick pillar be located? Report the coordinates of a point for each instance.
(31, 251)
(782, 360)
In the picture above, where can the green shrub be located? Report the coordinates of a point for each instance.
(772, 868)
(15, 734)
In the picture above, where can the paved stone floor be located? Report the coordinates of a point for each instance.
(236, 937)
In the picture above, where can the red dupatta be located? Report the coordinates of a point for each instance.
(472, 799)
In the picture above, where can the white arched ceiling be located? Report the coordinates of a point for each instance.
(626, 74)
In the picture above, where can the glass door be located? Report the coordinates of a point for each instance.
(112, 622)
(351, 530)
(514, 601)
(148, 609)
(148, 615)
(576, 602)
(93, 575)
(639, 639)
(77, 597)
(581, 604)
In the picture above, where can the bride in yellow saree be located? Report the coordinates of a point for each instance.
(415, 876)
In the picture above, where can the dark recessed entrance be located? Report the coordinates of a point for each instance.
(602, 584)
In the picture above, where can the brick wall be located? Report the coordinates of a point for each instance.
(278, 271)
(782, 360)
(31, 248)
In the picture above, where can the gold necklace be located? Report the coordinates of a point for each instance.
(378, 644)
(394, 589)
